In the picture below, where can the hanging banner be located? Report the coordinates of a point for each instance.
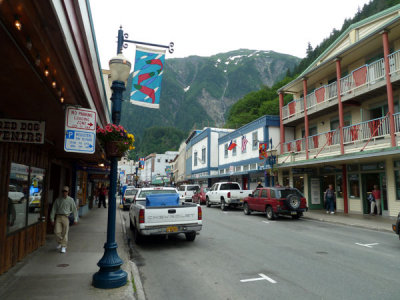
(147, 76)
(141, 163)
(262, 150)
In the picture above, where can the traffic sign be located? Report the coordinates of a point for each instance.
(80, 130)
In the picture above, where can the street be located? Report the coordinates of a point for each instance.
(248, 257)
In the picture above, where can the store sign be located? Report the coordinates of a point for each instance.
(22, 131)
(80, 130)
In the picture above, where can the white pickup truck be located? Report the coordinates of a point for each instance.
(226, 194)
(158, 211)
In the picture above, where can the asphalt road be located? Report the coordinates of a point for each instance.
(248, 257)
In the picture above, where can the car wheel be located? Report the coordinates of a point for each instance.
(246, 209)
(137, 237)
(223, 205)
(269, 212)
(190, 236)
(208, 204)
(293, 202)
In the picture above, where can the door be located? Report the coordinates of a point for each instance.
(369, 180)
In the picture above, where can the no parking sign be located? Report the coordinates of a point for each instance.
(80, 130)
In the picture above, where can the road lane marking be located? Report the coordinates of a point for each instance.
(263, 277)
(367, 245)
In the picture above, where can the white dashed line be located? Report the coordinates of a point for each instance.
(262, 277)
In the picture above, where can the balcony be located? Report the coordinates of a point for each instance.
(361, 80)
(369, 135)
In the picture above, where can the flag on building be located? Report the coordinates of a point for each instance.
(147, 76)
(232, 145)
(262, 150)
(141, 163)
(244, 143)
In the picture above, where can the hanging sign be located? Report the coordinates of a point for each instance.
(80, 130)
(22, 131)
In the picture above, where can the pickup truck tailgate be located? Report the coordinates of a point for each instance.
(171, 215)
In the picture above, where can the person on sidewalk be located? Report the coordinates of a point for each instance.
(62, 208)
(102, 196)
(259, 186)
(377, 196)
(330, 198)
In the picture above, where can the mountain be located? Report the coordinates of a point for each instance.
(199, 91)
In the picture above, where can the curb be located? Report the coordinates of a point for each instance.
(372, 227)
(133, 269)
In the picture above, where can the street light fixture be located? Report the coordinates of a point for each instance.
(110, 275)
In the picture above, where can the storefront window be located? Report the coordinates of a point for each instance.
(354, 183)
(298, 183)
(17, 197)
(339, 186)
(352, 168)
(24, 196)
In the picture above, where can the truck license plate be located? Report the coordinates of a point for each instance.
(172, 229)
(293, 213)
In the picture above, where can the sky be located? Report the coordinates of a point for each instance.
(209, 27)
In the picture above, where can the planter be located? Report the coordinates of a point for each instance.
(113, 149)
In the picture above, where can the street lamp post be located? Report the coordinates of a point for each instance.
(110, 274)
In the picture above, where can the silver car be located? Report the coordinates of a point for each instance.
(128, 198)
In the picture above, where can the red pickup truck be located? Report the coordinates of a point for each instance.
(276, 201)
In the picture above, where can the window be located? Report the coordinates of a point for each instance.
(397, 179)
(25, 202)
(255, 140)
(158, 160)
(226, 151)
(203, 155)
(244, 144)
(195, 159)
(166, 160)
(354, 183)
(264, 193)
(272, 194)
(234, 149)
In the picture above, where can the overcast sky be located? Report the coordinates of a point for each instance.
(208, 27)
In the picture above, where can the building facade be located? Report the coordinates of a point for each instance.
(345, 119)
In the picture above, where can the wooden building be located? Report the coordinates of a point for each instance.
(48, 61)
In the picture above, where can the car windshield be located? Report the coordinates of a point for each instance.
(130, 192)
(143, 194)
(286, 192)
(230, 186)
(192, 188)
(205, 190)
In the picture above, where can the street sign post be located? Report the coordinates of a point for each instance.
(80, 130)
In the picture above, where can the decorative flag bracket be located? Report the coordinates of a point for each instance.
(123, 42)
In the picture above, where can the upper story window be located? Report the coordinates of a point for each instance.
(234, 149)
(255, 140)
(226, 150)
(195, 159)
(203, 155)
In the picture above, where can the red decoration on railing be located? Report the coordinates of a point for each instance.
(320, 95)
(354, 132)
(298, 145)
(360, 76)
(329, 137)
(373, 127)
(315, 140)
(292, 108)
(289, 148)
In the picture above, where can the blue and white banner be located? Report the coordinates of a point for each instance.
(147, 76)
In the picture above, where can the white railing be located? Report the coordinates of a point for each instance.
(365, 130)
(376, 71)
(285, 112)
(331, 91)
(323, 139)
(394, 62)
(346, 84)
(294, 146)
(311, 100)
(396, 118)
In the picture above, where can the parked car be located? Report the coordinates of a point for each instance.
(128, 197)
(276, 201)
(159, 211)
(396, 227)
(226, 194)
(200, 195)
(186, 191)
(15, 195)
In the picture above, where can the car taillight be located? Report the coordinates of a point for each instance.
(141, 216)
(123, 199)
(229, 194)
(199, 213)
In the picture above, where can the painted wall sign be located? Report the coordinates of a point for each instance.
(22, 131)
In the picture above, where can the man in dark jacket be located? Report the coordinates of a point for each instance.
(330, 198)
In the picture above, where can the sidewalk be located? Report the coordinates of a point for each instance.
(378, 223)
(48, 274)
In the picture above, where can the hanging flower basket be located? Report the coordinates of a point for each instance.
(114, 149)
(115, 140)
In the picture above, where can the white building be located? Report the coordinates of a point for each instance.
(155, 166)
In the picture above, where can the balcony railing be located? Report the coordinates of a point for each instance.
(365, 130)
(368, 74)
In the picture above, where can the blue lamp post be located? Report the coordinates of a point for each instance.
(271, 160)
(110, 274)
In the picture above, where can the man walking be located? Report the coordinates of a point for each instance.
(62, 208)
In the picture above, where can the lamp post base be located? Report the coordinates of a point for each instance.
(109, 279)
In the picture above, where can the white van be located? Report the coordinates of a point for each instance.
(186, 191)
